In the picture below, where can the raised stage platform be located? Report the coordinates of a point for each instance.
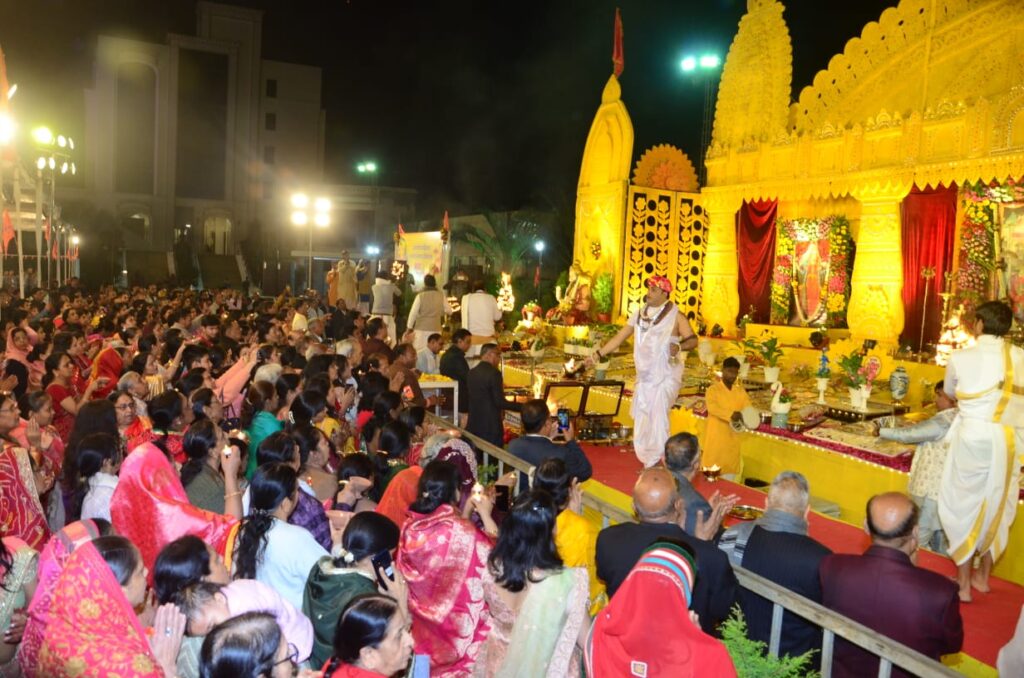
(989, 621)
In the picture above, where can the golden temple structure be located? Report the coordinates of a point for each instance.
(931, 94)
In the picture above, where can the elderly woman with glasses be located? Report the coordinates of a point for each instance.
(133, 429)
(250, 645)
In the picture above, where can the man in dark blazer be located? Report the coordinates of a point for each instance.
(776, 546)
(485, 393)
(885, 590)
(455, 366)
(661, 513)
(536, 445)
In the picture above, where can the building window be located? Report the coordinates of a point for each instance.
(268, 155)
(270, 122)
(271, 88)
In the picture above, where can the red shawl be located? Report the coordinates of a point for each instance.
(52, 560)
(93, 631)
(400, 494)
(150, 507)
(443, 558)
(109, 364)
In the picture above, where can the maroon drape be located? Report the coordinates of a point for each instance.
(755, 253)
(928, 220)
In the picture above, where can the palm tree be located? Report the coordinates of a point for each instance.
(512, 237)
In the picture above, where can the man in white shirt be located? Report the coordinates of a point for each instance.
(427, 312)
(384, 293)
(480, 314)
(299, 320)
(427, 360)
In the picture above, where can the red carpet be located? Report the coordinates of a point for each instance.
(989, 621)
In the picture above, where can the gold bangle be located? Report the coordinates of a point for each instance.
(233, 494)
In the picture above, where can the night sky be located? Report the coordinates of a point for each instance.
(479, 105)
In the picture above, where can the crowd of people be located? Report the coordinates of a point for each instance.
(205, 484)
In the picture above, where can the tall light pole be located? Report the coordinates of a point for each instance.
(539, 246)
(319, 216)
(704, 66)
(369, 168)
(55, 154)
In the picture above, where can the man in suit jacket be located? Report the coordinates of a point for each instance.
(535, 445)
(486, 397)
(661, 512)
(455, 366)
(776, 546)
(885, 590)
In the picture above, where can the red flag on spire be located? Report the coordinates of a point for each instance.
(445, 226)
(8, 232)
(401, 231)
(536, 277)
(618, 58)
(53, 252)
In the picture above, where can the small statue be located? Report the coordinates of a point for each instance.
(574, 306)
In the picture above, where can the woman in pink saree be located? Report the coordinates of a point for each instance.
(52, 560)
(150, 506)
(443, 557)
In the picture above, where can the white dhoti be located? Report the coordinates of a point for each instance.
(656, 388)
(981, 476)
(420, 337)
(980, 481)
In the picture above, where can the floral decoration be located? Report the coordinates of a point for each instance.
(977, 238)
(836, 228)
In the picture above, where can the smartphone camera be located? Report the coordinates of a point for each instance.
(563, 419)
(383, 566)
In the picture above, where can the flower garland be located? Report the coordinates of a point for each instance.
(977, 238)
(840, 255)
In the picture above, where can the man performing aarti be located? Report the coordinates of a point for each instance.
(346, 280)
(980, 480)
(661, 332)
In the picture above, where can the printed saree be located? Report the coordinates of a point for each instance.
(150, 507)
(22, 513)
(443, 559)
(24, 561)
(93, 631)
(52, 560)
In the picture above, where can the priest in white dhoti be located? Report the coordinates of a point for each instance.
(660, 332)
(980, 480)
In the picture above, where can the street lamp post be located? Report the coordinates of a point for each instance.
(370, 168)
(55, 154)
(704, 65)
(319, 216)
(539, 246)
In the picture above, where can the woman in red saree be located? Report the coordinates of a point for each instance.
(93, 629)
(443, 557)
(52, 560)
(133, 429)
(150, 506)
(108, 365)
(20, 483)
(659, 587)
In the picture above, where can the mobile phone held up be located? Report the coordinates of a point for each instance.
(563, 419)
(383, 566)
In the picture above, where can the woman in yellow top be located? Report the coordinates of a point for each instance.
(725, 400)
(575, 535)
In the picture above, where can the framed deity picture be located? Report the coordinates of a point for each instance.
(1011, 216)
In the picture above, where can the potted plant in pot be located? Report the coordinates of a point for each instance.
(822, 375)
(770, 352)
(604, 293)
(853, 375)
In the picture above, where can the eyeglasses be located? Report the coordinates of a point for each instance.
(8, 410)
(292, 658)
(124, 406)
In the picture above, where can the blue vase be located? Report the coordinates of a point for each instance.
(899, 383)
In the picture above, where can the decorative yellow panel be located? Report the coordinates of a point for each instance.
(666, 234)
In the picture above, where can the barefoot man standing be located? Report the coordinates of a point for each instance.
(661, 332)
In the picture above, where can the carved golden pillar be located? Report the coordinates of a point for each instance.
(720, 299)
(875, 310)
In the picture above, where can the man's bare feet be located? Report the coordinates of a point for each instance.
(980, 582)
(965, 596)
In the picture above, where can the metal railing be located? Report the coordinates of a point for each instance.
(889, 652)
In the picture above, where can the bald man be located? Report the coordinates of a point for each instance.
(661, 514)
(885, 590)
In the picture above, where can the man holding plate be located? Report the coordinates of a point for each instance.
(661, 332)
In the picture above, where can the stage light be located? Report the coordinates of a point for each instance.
(539, 246)
(300, 201)
(322, 205)
(300, 218)
(52, 163)
(62, 141)
(41, 163)
(75, 240)
(372, 250)
(688, 64)
(7, 128)
(43, 135)
(322, 219)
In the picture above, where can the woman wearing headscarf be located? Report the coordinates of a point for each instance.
(151, 508)
(22, 481)
(660, 586)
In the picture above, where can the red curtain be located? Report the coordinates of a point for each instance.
(755, 253)
(928, 220)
